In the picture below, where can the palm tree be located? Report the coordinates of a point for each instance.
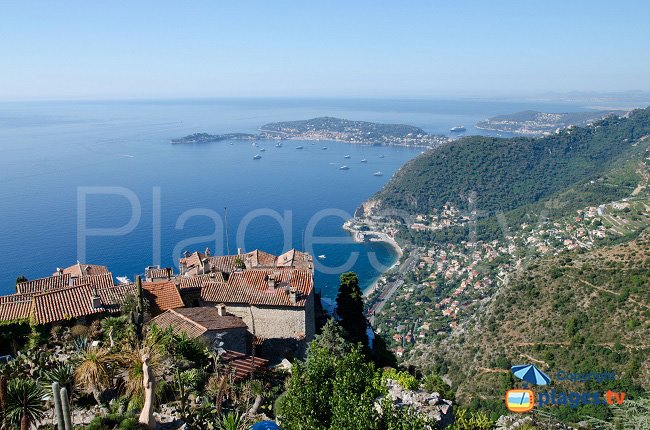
(94, 371)
(24, 402)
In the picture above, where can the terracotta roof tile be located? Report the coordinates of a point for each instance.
(65, 303)
(44, 284)
(103, 280)
(197, 321)
(242, 365)
(15, 307)
(80, 270)
(164, 295)
(185, 282)
(252, 287)
(157, 273)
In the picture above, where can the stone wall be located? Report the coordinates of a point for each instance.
(296, 325)
(234, 339)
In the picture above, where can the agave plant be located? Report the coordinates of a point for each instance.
(24, 405)
(63, 373)
(232, 421)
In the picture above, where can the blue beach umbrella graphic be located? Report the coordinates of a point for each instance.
(530, 373)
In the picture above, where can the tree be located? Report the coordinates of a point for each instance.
(336, 388)
(349, 309)
(24, 402)
(21, 278)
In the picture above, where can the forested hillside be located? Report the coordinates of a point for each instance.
(506, 174)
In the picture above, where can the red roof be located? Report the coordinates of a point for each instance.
(252, 287)
(65, 303)
(197, 321)
(81, 270)
(252, 260)
(158, 273)
(242, 365)
(163, 295)
(15, 307)
(185, 282)
(44, 284)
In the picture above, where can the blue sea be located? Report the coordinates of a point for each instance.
(100, 181)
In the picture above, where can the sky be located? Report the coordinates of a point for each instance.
(190, 49)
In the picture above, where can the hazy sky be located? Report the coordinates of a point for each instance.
(163, 49)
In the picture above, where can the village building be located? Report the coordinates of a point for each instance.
(214, 325)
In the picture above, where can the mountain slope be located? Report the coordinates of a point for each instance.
(580, 312)
(505, 174)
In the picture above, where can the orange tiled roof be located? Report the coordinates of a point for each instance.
(164, 295)
(193, 260)
(65, 303)
(103, 280)
(252, 287)
(242, 365)
(81, 270)
(295, 258)
(197, 321)
(157, 273)
(44, 284)
(185, 282)
(15, 307)
(113, 297)
(252, 260)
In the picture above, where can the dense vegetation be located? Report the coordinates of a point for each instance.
(493, 175)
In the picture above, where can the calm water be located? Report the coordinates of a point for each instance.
(51, 151)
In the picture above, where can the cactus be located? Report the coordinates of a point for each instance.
(56, 395)
(65, 408)
(137, 316)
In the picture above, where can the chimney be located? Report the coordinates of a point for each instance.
(272, 283)
(207, 252)
(169, 273)
(221, 309)
(59, 271)
(238, 251)
(186, 254)
(87, 268)
(293, 295)
(96, 301)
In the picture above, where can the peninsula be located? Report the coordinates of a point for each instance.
(535, 123)
(329, 128)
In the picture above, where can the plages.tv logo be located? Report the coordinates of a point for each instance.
(523, 400)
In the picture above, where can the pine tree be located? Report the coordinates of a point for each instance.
(349, 309)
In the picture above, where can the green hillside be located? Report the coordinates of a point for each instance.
(506, 174)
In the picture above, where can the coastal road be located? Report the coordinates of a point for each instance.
(391, 287)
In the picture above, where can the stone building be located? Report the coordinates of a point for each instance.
(273, 295)
(214, 325)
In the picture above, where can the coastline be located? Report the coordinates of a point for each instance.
(358, 236)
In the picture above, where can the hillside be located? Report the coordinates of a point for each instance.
(579, 311)
(541, 123)
(505, 174)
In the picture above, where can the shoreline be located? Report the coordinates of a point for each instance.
(357, 237)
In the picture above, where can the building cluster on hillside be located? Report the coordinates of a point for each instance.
(249, 302)
(449, 216)
(451, 279)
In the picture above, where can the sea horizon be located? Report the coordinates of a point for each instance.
(95, 143)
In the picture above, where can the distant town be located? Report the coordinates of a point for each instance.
(327, 128)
